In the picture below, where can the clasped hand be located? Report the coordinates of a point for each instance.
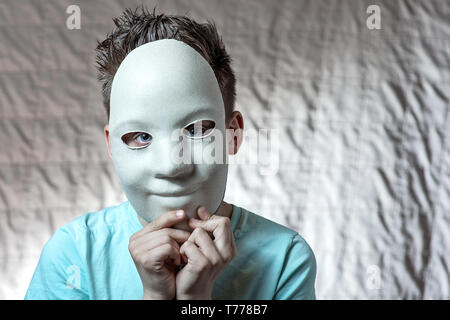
(157, 253)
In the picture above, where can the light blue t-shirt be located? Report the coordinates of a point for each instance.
(89, 259)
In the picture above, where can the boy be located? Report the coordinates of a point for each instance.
(175, 237)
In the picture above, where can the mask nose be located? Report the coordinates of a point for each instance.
(168, 165)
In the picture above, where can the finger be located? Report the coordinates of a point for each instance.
(208, 221)
(206, 246)
(179, 236)
(155, 259)
(218, 225)
(204, 214)
(221, 228)
(195, 258)
(157, 242)
(165, 220)
(224, 240)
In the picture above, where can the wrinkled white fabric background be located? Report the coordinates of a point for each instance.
(363, 120)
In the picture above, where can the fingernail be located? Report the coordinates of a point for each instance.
(202, 209)
(179, 213)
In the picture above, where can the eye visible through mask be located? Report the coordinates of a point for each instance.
(198, 130)
(137, 140)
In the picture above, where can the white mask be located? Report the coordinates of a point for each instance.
(161, 87)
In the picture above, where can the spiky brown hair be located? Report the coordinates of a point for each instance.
(135, 28)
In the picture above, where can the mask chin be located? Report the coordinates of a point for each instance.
(191, 212)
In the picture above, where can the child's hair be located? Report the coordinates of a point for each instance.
(135, 28)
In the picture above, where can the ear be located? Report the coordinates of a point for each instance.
(235, 132)
(108, 142)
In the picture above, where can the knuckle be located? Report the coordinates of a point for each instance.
(226, 258)
(185, 237)
(229, 256)
(154, 265)
(158, 223)
(204, 265)
(199, 231)
(167, 247)
(173, 248)
(131, 247)
(165, 238)
(141, 259)
(174, 244)
(184, 233)
(188, 243)
(167, 231)
(134, 237)
(194, 234)
(191, 237)
(217, 262)
(226, 222)
(154, 226)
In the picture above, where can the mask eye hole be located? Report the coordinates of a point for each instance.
(137, 140)
(199, 129)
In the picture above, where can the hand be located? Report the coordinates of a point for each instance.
(206, 258)
(155, 252)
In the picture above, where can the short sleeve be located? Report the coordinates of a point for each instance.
(60, 273)
(298, 274)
